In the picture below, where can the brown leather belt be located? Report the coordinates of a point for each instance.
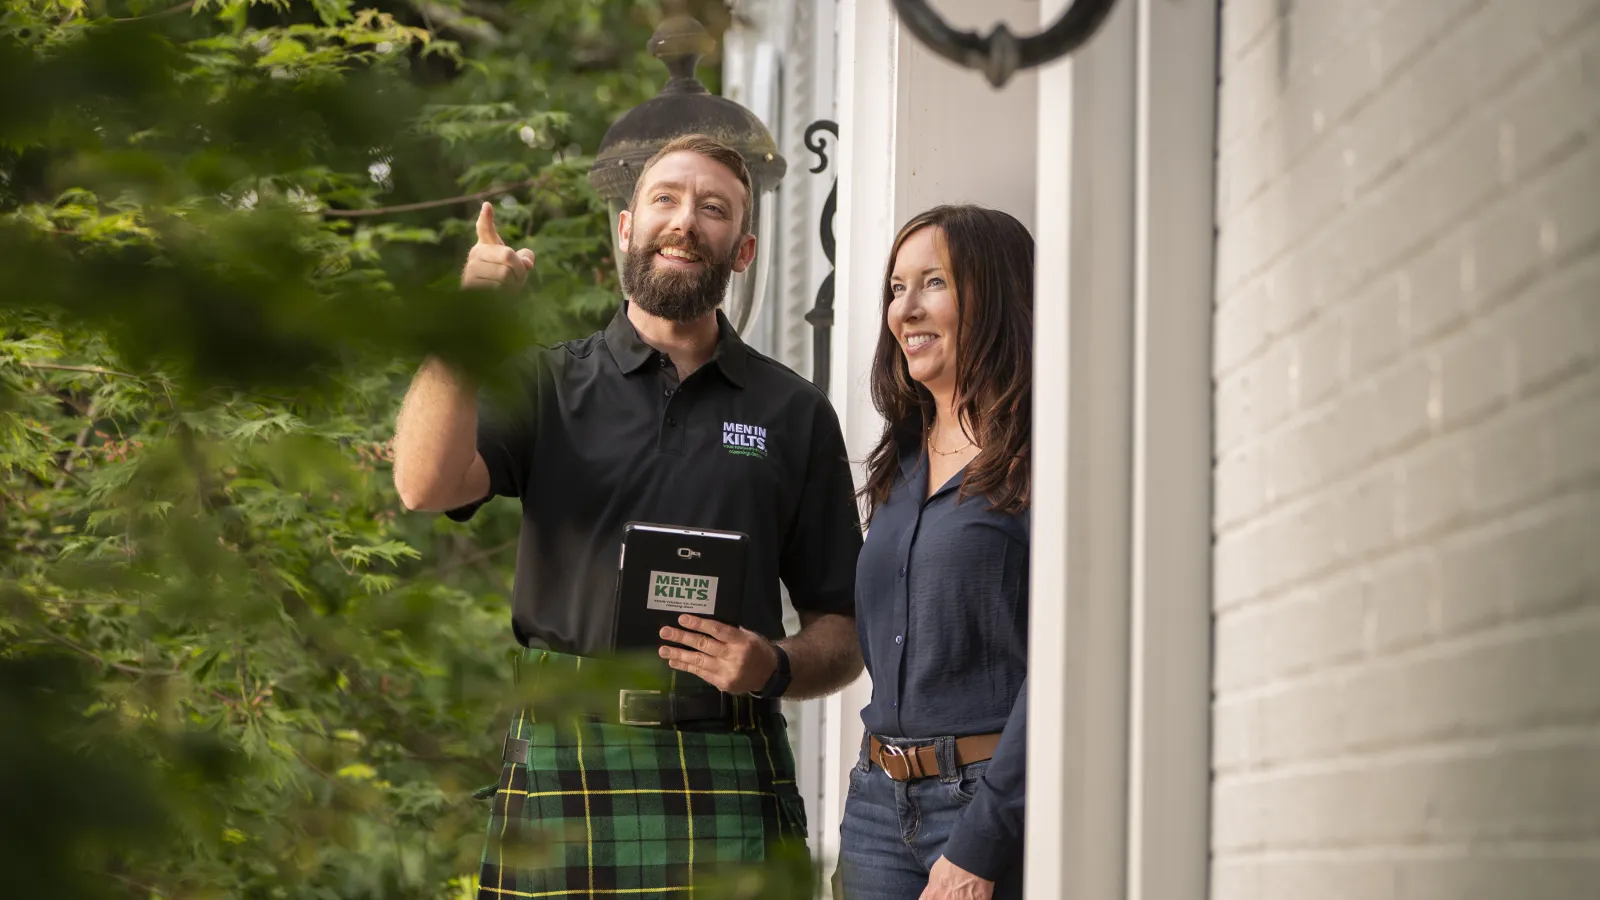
(910, 763)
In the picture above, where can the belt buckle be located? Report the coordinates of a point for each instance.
(622, 708)
(891, 751)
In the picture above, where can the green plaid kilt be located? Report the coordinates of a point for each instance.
(603, 810)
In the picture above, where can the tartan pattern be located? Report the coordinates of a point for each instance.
(605, 810)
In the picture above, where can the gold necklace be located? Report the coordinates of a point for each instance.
(964, 445)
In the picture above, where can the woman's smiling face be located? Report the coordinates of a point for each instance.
(923, 314)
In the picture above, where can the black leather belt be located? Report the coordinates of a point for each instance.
(659, 709)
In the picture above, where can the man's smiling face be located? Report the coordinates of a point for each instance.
(684, 236)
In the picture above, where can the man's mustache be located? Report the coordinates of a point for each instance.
(681, 242)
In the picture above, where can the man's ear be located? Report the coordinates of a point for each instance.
(624, 230)
(746, 254)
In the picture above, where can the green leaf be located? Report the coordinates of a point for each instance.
(207, 665)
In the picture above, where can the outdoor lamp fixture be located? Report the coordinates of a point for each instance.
(684, 106)
(1001, 54)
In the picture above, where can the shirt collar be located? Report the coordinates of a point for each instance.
(623, 341)
(731, 356)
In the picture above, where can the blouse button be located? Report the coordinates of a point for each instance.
(902, 571)
(899, 639)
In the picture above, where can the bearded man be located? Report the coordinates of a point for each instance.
(630, 424)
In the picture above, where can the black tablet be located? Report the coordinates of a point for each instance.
(665, 571)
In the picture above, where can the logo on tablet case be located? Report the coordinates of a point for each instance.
(744, 440)
(673, 592)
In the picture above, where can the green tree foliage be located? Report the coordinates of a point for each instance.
(230, 665)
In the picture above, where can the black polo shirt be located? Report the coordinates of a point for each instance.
(610, 436)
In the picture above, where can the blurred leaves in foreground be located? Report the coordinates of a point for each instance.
(229, 230)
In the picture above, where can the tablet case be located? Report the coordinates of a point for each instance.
(665, 571)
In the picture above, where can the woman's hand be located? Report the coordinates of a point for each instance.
(949, 881)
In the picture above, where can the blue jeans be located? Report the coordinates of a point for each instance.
(894, 831)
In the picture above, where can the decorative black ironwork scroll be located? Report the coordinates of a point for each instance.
(1002, 54)
(821, 315)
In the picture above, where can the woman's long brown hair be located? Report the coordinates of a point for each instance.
(989, 255)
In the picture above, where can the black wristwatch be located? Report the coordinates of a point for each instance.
(779, 682)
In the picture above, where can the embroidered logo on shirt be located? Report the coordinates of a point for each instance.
(744, 440)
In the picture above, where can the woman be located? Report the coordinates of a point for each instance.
(935, 808)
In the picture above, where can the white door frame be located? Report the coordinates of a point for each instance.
(1119, 723)
(1082, 470)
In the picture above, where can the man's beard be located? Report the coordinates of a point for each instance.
(674, 294)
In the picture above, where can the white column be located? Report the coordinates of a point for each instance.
(868, 47)
(1170, 697)
(1079, 613)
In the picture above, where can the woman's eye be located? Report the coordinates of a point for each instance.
(897, 288)
(935, 281)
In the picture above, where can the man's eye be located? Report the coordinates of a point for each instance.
(663, 198)
(714, 208)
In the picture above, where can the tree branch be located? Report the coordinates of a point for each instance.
(158, 14)
(313, 766)
(483, 31)
(99, 370)
(77, 447)
(92, 370)
(149, 889)
(120, 667)
(469, 560)
(495, 191)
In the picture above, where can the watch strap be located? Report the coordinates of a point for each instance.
(779, 682)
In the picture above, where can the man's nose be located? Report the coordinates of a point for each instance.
(683, 220)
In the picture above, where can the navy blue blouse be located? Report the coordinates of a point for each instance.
(942, 611)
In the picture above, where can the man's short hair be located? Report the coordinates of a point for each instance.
(712, 149)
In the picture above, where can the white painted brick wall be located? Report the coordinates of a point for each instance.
(1407, 505)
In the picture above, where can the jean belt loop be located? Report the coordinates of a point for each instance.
(945, 749)
(865, 762)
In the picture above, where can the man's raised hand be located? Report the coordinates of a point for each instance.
(492, 264)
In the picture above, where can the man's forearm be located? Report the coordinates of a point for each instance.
(435, 436)
(823, 657)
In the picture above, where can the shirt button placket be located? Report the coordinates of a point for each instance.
(671, 434)
(900, 639)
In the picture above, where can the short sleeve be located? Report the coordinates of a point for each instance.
(819, 557)
(507, 429)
